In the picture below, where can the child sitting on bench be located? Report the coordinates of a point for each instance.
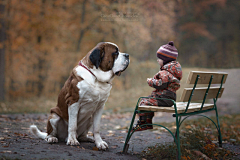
(166, 82)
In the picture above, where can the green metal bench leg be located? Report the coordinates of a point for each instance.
(219, 130)
(179, 124)
(125, 148)
(178, 138)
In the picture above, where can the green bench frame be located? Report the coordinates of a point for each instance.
(185, 107)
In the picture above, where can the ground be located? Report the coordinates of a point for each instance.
(18, 142)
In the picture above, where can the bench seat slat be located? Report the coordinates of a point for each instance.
(181, 106)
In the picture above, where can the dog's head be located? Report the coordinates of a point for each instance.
(106, 56)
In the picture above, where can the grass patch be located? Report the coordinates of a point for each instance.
(33, 105)
(230, 127)
(194, 145)
(199, 140)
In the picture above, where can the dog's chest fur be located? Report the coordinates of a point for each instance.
(91, 90)
(92, 95)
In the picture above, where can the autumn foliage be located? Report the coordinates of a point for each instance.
(45, 39)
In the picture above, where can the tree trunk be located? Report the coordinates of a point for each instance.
(82, 21)
(2, 52)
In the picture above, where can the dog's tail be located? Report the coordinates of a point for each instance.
(37, 132)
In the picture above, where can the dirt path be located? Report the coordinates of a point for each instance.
(17, 141)
(229, 102)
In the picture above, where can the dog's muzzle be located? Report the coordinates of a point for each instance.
(121, 63)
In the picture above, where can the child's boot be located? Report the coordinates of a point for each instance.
(144, 118)
(149, 120)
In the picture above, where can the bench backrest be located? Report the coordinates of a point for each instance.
(204, 77)
(203, 93)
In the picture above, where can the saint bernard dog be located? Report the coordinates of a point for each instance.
(83, 96)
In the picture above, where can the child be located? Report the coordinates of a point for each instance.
(166, 82)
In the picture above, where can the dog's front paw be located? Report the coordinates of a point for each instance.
(51, 139)
(72, 141)
(102, 145)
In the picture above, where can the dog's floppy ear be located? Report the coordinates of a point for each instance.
(96, 57)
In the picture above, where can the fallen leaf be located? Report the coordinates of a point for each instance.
(157, 132)
(188, 127)
(6, 151)
(18, 134)
(198, 153)
(110, 134)
(95, 149)
(117, 127)
(114, 146)
(207, 129)
(186, 158)
(80, 147)
(24, 128)
(110, 131)
(124, 127)
(120, 137)
(188, 151)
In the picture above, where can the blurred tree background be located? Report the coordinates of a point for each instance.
(42, 40)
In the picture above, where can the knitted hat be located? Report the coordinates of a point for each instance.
(167, 52)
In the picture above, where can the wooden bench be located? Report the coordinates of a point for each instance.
(186, 107)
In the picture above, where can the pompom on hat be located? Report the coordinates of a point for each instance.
(167, 52)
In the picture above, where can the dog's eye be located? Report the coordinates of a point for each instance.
(115, 54)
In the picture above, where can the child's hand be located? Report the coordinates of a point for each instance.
(149, 81)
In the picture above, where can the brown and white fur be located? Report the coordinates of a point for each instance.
(83, 96)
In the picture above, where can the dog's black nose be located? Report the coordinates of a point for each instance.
(126, 55)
